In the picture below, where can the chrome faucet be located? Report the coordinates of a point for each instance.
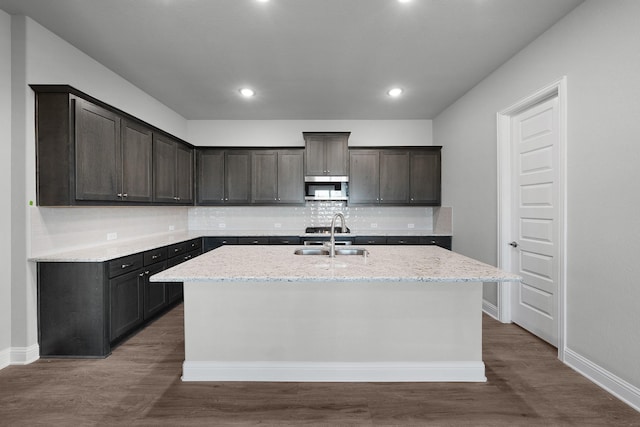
(332, 240)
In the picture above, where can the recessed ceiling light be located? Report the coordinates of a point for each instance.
(404, 1)
(262, 1)
(246, 92)
(395, 92)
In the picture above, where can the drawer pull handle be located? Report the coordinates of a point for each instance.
(187, 257)
(127, 265)
(155, 256)
(176, 250)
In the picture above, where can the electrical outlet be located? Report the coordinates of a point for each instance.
(277, 225)
(411, 226)
(172, 227)
(222, 225)
(112, 236)
(374, 225)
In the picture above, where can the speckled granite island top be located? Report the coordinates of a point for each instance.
(383, 263)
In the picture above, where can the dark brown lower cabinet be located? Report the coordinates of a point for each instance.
(155, 294)
(86, 308)
(126, 307)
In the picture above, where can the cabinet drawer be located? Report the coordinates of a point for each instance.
(442, 241)
(177, 249)
(194, 244)
(371, 240)
(403, 240)
(155, 255)
(125, 264)
(253, 240)
(211, 243)
(292, 240)
(182, 258)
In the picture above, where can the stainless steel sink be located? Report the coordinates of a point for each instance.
(351, 251)
(311, 251)
(325, 251)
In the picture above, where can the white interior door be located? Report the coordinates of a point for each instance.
(534, 227)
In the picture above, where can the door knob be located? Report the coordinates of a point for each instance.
(514, 244)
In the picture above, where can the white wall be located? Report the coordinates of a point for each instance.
(596, 47)
(288, 133)
(5, 187)
(40, 57)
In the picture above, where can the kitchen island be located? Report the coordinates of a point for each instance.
(400, 313)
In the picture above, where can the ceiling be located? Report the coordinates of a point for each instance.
(305, 59)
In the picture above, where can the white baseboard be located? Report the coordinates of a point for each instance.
(605, 379)
(25, 355)
(334, 372)
(490, 309)
(5, 357)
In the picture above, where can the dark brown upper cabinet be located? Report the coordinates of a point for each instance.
(137, 164)
(172, 171)
(210, 176)
(395, 176)
(249, 176)
(326, 153)
(224, 176)
(364, 180)
(425, 177)
(277, 177)
(89, 153)
(98, 154)
(237, 177)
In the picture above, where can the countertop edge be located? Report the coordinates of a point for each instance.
(109, 251)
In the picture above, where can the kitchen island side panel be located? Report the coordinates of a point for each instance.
(72, 310)
(345, 331)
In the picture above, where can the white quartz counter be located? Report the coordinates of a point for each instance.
(120, 248)
(383, 264)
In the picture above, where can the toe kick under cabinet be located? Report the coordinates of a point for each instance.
(87, 308)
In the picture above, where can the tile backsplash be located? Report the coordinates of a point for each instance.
(61, 229)
(297, 218)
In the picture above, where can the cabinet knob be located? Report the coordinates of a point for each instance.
(119, 195)
(141, 274)
(125, 195)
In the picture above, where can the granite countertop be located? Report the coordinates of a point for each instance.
(383, 264)
(120, 248)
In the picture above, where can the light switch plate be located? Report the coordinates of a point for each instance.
(112, 236)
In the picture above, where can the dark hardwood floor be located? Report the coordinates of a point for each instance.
(139, 384)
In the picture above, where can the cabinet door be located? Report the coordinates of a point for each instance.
(336, 155)
(137, 149)
(164, 169)
(290, 177)
(364, 181)
(97, 149)
(264, 173)
(394, 177)
(425, 178)
(210, 168)
(155, 296)
(184, 174)
(314, 155)
(237, 165)
(126, 303)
